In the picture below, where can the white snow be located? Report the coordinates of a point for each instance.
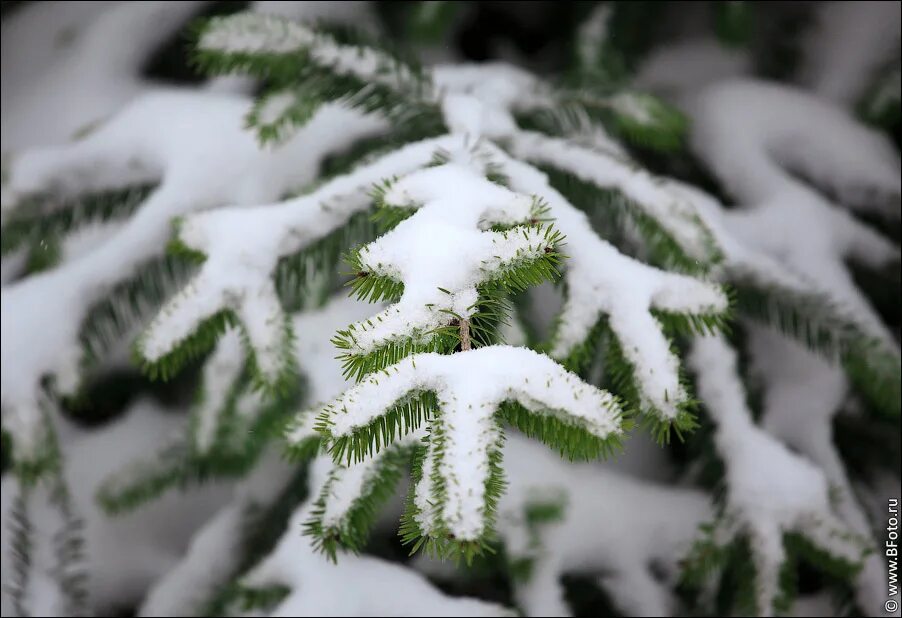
(356, 585)
(802, 395)
(250, 33)
(242, 253)
(846, 45)
(71, 79)
(154, 537)
(470, 386)
(611, 524)
(165, 133)
(444, 250)
(602, 281)
(319, 587)
(678, 69)
(219, 375)
(649, 194)
(593, 35)
(770, 490)
(783, 130)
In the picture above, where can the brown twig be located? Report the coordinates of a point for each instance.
(465, 335)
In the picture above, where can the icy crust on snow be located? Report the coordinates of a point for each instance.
(166, 134)
(602, 513)
(444, 251)
(604, 282)
(771, 491)
(781, 216)
(242, 248)
(470, 386)
(249, 33)
(846, 45)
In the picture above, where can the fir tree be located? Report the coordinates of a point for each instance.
(345, 280)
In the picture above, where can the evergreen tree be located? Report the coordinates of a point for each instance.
(238, 314)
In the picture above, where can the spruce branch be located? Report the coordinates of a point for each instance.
(798, 493)
(249, 293)
(102, 296)
(463, 431)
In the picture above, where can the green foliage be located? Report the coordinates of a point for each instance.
(40, 218)
(608, 54)
(41, 472)
(276, 114)
(289, 66)
(44, 255)
(238, 443)
(644, 120)
(68, 546)
(438, 541)
(401, 418)
(357, 366)
(202, 340)
(295, 273)
(881, 105)
(18, 561)
(372, 287)
(619, 375)
(129, 304)
(731, 566)
(568, 438)
(428, 21)
(243, 598)
(196, 345)
(353, 531)
(733, 22)
(812, 319)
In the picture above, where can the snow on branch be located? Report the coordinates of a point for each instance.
(444, 260)
(803, 394)
(459, 396)
(232, 425)
(603, 283)
(241, 247)
(163, 137)
(788, 244)
(474, 102)
(558, 518)
(314, 586)
(771, 492)
(69, 55)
